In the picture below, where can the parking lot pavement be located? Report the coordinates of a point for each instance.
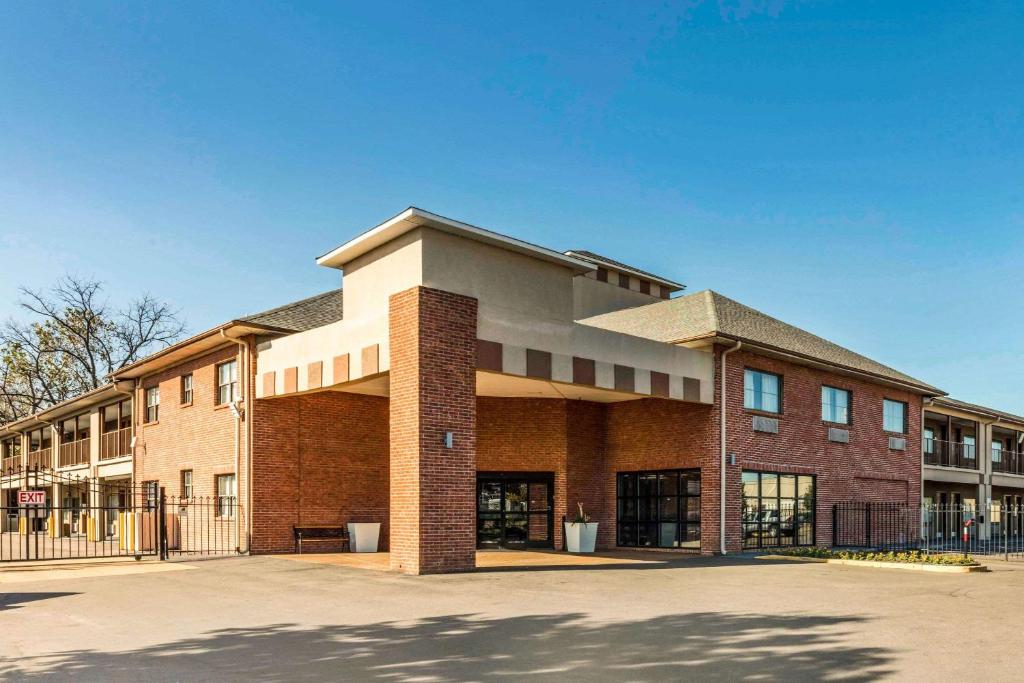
(262, 618)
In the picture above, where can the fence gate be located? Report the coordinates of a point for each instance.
(47, 516)
(994, 530)
(198, 525)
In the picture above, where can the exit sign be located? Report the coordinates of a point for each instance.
(31, 498)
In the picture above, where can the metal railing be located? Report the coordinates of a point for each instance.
(10, 464)
(950, 454)
(74, 453)
(42, 458)
(1008, 462)
(116, 444)
(986, 530)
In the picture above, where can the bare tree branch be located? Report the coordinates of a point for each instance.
(73, 340)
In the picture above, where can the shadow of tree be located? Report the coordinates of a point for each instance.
(16, 600)
(705, 646)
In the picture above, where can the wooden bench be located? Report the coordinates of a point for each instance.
(319, 533)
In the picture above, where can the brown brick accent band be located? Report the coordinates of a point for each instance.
(625, 378)
(371, 360)
(538, 364)
(488, 355)
(691, 389)
(584, 371)
(340, 369)
(269, 384)
(433, 391)
(291, 380)
(315, 375)
(660, 384)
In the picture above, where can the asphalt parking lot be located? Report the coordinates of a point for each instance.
(263, 618)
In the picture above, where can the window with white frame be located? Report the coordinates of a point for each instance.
(227, 493)
(227, 382)
(152, 404)
(186, 389)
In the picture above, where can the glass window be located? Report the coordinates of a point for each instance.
(761, 391)
(929, 440)
(659, 509)
(186, 483)
(835, 405)
(150, 493)
(997, 451)
(778, 509)
(186, 388)
(83, 426)
(67, 431)
(46, 437)
(969, 447)
(894, 416)
(227, 382)
(226, 495)
(152, 404)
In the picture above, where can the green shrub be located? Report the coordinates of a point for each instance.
(906, 556)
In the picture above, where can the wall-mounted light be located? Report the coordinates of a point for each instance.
(449, 440)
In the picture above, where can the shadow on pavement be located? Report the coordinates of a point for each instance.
(16, 600)
(560, 647)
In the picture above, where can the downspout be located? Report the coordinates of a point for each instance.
(722, 469)
(244, 379)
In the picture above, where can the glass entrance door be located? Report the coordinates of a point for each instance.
(513, 510)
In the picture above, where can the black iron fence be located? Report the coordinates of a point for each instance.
(48, 516)
(977, 530)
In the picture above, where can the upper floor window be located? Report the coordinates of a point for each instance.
(39, 439)
(227, 382)
(929, 440)
(186, 388)
(894, 416)
(152, 404)
(835, 405)
(12, 448)
(75, 429)
(761, 391)
(997, 451)
(186, 484)
(117, 416)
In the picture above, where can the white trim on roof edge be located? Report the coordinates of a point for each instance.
(413, 218)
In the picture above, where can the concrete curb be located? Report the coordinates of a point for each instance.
(874, 564)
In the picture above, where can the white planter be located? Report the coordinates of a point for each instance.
(363, 536)
(580, 538)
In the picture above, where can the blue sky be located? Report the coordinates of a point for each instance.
(854, 168)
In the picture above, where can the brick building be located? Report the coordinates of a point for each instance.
(470, 390)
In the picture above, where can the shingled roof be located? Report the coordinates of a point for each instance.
(299, 316)
(708, 314)
(975, 408)
(599, 260)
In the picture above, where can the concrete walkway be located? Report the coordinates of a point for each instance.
(697, 619)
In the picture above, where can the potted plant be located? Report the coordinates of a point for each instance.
(580, 533)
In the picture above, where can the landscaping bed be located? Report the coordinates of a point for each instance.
(913, 559)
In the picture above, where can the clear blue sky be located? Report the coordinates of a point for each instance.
(854, 168)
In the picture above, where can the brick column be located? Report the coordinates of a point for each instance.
(433, 391)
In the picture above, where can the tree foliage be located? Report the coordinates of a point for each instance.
(72, 340)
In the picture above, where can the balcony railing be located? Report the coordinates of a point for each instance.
(963, 456)
(74, 453)
(116, 444)
(41, 458)
(1007, 462)
(10, 464)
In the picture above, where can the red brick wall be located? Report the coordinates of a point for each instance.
(864, 469)
(318, 459)
(546, 435)
(655, 434)
(433, 390)
(198, 437)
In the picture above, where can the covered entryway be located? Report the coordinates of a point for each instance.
(514, 510)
